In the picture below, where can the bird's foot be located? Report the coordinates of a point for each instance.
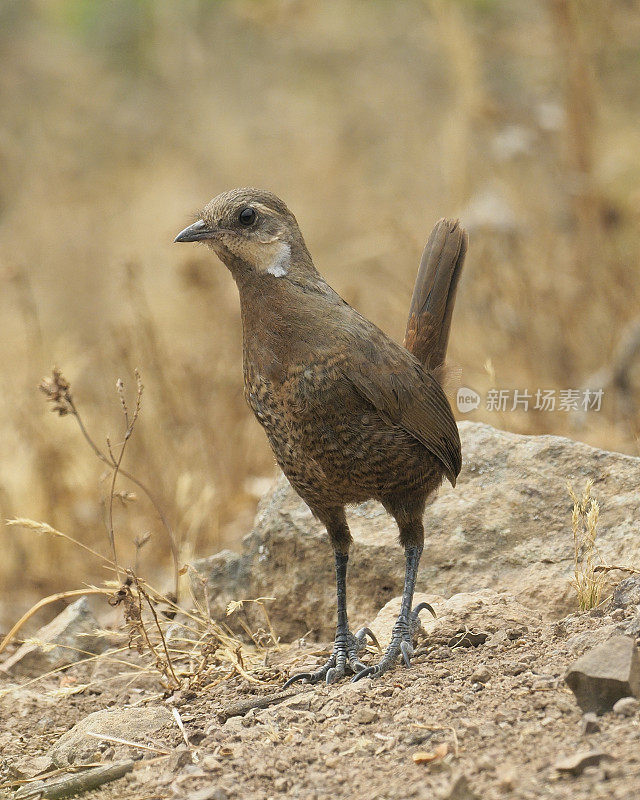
(344, 658)
(401, 644)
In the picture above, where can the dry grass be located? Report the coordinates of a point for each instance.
(588, 580)
(180, 644)
(372, 120)
(172, 636)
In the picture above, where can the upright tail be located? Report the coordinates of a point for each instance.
(434, 294)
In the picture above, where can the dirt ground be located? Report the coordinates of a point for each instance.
(500, 716)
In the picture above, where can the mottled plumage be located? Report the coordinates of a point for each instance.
(350, 414)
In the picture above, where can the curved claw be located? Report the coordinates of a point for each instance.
(407, 651)
(356, 665)
(422, 607)
(333, 675)
(301, 676)
(362, 634)
(364, 673)
(345, 652)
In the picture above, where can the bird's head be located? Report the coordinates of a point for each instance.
(252, 231)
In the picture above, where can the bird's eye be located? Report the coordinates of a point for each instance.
(247, 216)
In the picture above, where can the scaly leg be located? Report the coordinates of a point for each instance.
(406, 624)
(346, 645)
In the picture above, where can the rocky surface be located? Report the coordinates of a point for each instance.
(507, 526)
(491, 718)
(484, 616)
(627, 593)
(69, 637)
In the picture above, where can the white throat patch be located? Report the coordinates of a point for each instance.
(279, 267)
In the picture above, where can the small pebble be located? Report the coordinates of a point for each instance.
(626, 707)
(480, 675)
(281, 784)
(507, 777)
(364, 716)
(590, 724)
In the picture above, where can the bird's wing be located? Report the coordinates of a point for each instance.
(407, 395)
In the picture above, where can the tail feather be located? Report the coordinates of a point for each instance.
(434, 294)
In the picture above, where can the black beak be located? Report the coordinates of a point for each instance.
(195, 233)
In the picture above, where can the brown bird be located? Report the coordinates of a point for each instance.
(349, 414)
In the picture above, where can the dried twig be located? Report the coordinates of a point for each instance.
(77, 783)
(117, 460)
(139, 635)
(240, 709)
(44, 527)
(609, 567)
(144, 594)
(58, 392)
(115, 740)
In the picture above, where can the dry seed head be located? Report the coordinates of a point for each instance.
(592, 520)
(58, 392)
(123, 401)
(575, 519)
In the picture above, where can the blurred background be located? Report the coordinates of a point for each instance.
(119, 120)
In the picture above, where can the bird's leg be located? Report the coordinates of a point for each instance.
(347, 645)
(406, 624)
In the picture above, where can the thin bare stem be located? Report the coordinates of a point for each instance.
(150, 495)
(609, 567)
(117, 460)
(43, 527)
(104, 738)
(142, 593)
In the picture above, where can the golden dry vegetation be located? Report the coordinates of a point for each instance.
(372, 119)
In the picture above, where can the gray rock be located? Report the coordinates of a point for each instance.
(632, 628)
(626, 593)
(605, 674)
(581, 642)
(69, 637)
(626, 707)
(506, 525)
(154, 725)
(224, 574)
(467, 612)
